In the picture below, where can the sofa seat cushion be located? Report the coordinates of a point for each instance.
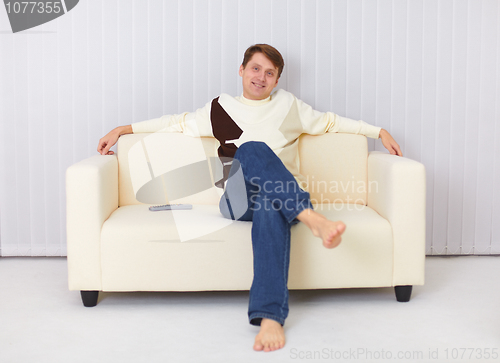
(198, 250)
(364, 258)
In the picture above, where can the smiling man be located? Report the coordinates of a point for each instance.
(260, 129)
(259, 76)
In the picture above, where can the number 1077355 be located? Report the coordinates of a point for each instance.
(34, 7)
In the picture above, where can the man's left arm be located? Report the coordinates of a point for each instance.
(317, 123)
(343, 124)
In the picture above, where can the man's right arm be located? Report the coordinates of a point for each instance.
(106, 142)
(194, 124)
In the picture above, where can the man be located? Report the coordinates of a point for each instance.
(260, 130)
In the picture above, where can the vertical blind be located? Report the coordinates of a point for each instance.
(427, 71)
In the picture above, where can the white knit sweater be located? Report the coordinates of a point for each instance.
(278, 121)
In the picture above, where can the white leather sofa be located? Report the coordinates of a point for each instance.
(116, 244)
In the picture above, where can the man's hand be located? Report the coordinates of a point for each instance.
(389, 143)
(106, 142)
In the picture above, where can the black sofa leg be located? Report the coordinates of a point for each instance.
(403, 293)
(89, 298)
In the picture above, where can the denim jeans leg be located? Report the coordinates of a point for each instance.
(267, 174)
(237, 203)
(273, 211)
(271, 259)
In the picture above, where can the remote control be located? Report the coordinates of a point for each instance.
(155, 208)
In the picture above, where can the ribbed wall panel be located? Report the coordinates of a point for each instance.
(428, 71)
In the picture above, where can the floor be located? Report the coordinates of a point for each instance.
(454, 317)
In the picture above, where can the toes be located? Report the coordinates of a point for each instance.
(269, 346)
(258, 345)
(333, 241)
(341, 227)
(330, 238)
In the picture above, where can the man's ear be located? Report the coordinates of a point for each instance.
(241, 70)
(276, 84)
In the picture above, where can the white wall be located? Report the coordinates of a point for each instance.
(428, 71)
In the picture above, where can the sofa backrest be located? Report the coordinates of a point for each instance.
(335, 166)
(160, 168)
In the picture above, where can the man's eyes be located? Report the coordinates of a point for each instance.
(270, 74)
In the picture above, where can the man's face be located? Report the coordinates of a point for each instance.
(259, 77)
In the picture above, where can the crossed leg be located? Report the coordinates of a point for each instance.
(271, 237)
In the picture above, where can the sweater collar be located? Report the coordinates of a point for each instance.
(249, 102)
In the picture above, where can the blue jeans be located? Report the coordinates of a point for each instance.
(272, 200)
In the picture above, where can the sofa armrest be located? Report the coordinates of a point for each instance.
(396, 190)
(91, 197)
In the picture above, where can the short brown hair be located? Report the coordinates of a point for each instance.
(270, 52)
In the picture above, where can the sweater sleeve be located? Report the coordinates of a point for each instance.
(196, 124)
(317, 123)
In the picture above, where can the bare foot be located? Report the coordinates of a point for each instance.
(329, 231)
(271, 336)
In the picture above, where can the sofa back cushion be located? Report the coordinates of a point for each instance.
(335, 167)
(160, 168)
